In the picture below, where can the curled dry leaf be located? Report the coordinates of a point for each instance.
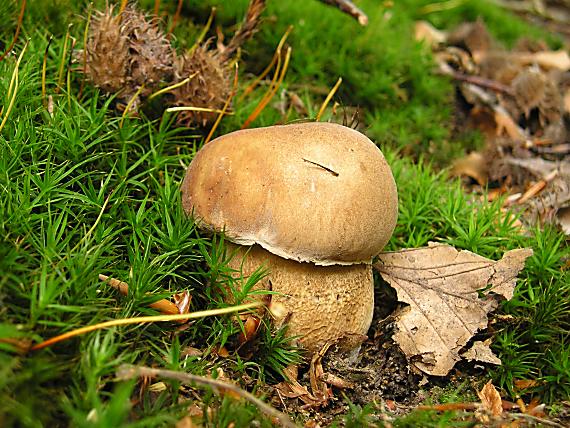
(490, 399)
(426, 32)
(440, 284)
(480, 351)
(474, 165)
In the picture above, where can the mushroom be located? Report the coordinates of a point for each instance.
(314, 203)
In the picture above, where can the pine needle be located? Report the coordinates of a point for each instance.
(13, 88)
(176, 16)
(63, 57)
(271, 92)
(174, 86)
(85, 35)
(130, 104)
(265, 72)
(203, 32)
(190, 108)
(142, 320)
(226, 105)
(328, 98)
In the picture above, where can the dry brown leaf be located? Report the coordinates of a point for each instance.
(558, 60)
(506, 123)
(474, 165)
(563, 218)
(440, 283)
(521, 384)
(491, 399)
(426, 32)
(480, 351)
(250, 328)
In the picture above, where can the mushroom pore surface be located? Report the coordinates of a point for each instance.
(312, 192)
(324, 303)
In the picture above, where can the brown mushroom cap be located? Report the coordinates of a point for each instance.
(323, 303)
(312, 192)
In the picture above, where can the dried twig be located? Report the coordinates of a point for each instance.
(348, 7)
(482, 82)
(129, 372)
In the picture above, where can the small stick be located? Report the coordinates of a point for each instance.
(482, 82)
(164, 306)
(328, 98)
(349, 8)
(129, 372)
(537, 187)
(18, 28)
(156, 7)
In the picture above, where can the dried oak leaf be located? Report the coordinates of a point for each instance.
(441, 285)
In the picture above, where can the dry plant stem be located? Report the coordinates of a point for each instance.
(62, 62)
(12, 88)
(349, 8)
(97, 220)
(130, 104)
(164, 306)
(141, 320)
(272, 90)
(226, 105)
(328, 98)
(44, 67)
(190, 108)
(176, 16)
(171, 87)
(203, 32)
(68, 74)
(18, 28)
(85, 36)
(156, 9)
(482, 82)
(129, 372)
(265, 72)
(122, 8)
